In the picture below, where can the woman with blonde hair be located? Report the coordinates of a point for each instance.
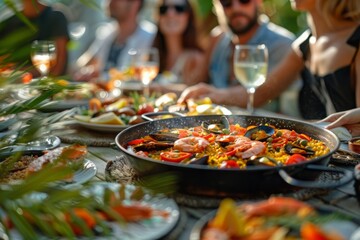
(326, 55)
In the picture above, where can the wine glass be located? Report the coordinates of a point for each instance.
(43, 56)
(250, 68)
(146, 66)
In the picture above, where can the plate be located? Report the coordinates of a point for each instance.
(148, 229)
(102, 127)
(347, 226)
(50, 106)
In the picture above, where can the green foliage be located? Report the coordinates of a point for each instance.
(279, 11)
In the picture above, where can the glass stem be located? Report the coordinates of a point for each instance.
(250, 103)
(146, 90)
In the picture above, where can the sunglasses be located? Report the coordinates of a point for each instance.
(228, 3)
(178, 8)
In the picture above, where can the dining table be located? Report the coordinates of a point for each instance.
(112, 165)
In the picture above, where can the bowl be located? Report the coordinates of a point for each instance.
(354, 144)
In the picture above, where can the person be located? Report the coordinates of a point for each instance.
(176, 40)
(42, 23)
(240, 22)
(329, 52)
(349, 119)
(114, 40)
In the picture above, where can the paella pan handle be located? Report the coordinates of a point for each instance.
(346, 178)
(150, 116)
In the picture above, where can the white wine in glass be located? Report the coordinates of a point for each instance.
(250, 68)
(147, 67)
(43, 56)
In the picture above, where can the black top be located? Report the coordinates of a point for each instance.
(16, 36)
(339, 85)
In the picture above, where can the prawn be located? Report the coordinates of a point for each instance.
(276, 206)
(256, 148)
(191, 144)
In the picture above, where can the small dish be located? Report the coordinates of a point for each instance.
(354, 144)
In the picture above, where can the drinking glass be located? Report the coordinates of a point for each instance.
(250, 68)
(43, 56)
(146, 66)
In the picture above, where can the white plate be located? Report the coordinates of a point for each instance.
(102, 127)
(149, 229)
(49, 106)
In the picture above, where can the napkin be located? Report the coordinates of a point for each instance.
(341, 132)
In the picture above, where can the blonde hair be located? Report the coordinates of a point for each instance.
(345, 10)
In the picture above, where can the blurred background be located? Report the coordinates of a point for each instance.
(85, 16)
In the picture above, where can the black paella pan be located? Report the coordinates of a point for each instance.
(204, 180)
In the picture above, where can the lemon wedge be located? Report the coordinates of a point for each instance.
(107, 118)
(82, 118)
(117, 105)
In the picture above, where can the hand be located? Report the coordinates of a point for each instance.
(349, 119)
(198, 91)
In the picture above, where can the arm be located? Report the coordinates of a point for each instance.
(349, 119)
(278, 80)
(193, 68)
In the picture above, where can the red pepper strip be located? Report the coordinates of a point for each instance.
(210, 137)
(174, 156)
(136, 141)
(229, 164)
(304, 136)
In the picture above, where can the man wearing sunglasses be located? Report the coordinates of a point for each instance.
(115, 39)
(240, 22)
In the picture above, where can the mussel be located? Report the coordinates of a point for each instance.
(260, 133)
(150, 146)
(168, 137)
(217, 128)
(292, 149)
(263, 161)
(199, 161)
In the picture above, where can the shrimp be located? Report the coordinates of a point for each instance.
(276, 206)
(191, 144)
(256, 148)
(241, 144)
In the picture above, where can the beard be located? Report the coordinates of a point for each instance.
(239, 30)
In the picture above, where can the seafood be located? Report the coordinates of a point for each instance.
(260, 133)
(229, 147)
(72, 155)
(268, 219)
(191, 144)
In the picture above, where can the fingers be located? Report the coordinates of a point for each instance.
(332, 117)
(195, 91)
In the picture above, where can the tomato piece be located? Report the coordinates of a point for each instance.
(295, 158)
(183, 133)
(229, 164)
(145, 108)
(173, 156)
(310, 231)
(279, 142)
(136, 141)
